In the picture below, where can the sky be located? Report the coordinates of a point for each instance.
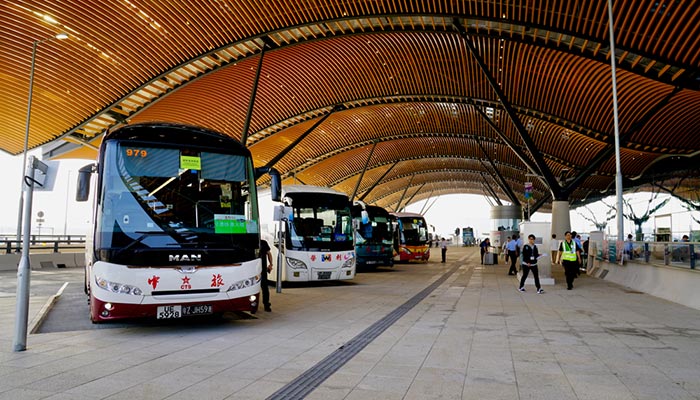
(63, 215)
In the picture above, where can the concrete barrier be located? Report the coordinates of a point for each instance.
(679, 285)
(9, 262)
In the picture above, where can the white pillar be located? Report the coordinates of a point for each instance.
(561, 221)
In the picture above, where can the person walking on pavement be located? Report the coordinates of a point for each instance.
(570, 258)
(443, 247)
(512, 247)
(577, 239)
(266, 258)
(530, 257)
(554, 248)
(504, 248)
(484, 248)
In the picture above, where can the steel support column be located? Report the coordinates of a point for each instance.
(412, 196)
(301, 137)
(362, 175)
(431, 204)
(606, 152)
(251, 102)
(426, 202)
(396, 209)
(527, 140)
(504, 185)
(542, 201)
(490, 189)
(528, 163)
(362, 198)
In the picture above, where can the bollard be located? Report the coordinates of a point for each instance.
(691, 248)
(647, 253)
(667, 253)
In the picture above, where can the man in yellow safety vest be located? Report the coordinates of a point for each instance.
(570, 258)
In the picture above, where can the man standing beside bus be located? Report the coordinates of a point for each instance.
(443, 247)
(266, 258)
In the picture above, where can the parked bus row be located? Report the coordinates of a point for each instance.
(178, 220)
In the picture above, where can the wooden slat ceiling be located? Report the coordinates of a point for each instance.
(393, 79)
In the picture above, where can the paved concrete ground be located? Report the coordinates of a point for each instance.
(474, 337)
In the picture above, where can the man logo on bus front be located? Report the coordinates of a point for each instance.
(184, 257)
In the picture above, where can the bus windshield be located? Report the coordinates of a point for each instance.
(413, 231)
(320, 222)
(376, 231)
(170, 198)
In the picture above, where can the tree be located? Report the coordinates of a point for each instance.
(638, 220)
(600, 225)
(690, 205)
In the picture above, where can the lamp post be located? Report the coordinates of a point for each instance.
(59, 36)
(618, 168)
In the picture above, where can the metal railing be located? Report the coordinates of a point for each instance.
(674, 254)
(43, 244)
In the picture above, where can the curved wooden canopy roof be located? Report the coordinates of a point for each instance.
(445, 96)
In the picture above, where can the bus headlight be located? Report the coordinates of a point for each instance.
(117, 287)
(295, 264)
(245, 283)
(349, 263)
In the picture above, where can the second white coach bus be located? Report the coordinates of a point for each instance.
(317, 234)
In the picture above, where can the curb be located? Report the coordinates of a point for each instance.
(44, 312)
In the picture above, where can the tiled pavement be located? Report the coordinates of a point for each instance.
(474, 337)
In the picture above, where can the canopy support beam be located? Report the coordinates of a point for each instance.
(504, 185)
(362, 175)
(251, 102)
(489, 189)
(362, 198)
(301, 137)
(396, 209)
(527, 140)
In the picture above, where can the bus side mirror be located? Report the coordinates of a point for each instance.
(275, 185)
(82, 192)
(275, 182)
(364, 215)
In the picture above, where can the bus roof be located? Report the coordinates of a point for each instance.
(286, 189)
(407, 215)
(176, 133)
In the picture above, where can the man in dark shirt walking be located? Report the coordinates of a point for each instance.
(530, 256)
(266, 258)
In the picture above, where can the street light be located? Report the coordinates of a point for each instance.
(59, 36)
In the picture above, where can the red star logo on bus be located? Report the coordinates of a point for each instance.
(186, 283)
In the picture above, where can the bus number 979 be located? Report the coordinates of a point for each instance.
(136, 153)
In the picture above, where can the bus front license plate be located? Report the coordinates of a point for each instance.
(169, 312)
(324, 275)
(202, 309)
